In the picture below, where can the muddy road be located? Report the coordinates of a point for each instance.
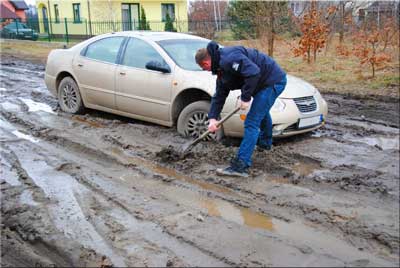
(91, 190)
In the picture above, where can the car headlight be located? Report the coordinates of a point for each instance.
(278, 106)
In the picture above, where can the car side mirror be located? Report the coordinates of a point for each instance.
(158, 66)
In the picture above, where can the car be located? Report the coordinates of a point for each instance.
(18, 30)
(153, 76)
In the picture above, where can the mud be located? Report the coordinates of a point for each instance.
(103, 190)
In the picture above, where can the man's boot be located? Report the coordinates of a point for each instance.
(238, 168)
(263, 145)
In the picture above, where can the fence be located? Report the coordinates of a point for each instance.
(67, 30)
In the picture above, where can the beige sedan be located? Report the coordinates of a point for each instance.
(152, 76)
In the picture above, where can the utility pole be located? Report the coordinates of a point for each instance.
(90, 19)
(215, 15)
(219, 16)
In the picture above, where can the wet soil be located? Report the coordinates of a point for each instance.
(94, 190)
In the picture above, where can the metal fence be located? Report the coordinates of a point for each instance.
(68, 30)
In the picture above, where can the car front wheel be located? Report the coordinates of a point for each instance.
(69, 97)
(193, 121)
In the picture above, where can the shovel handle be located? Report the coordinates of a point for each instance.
(220, 122)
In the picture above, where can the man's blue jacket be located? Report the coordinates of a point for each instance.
(242, 68)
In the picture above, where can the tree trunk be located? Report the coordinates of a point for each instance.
(341, 30)
(373, 70)
(315, 55)
(271, 31)
(308, 56)
(372, 61)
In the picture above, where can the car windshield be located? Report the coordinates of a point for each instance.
(183, 51)
(13, 25)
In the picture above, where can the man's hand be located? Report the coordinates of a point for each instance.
(212, 125)
(244, 105)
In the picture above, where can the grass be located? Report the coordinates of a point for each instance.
(34, 51)
(330, 73)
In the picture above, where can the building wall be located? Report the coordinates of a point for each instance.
(106, 15)
(21, 14)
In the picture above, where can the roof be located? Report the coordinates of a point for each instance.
(5, 13)
(19, 4)
(158, 36)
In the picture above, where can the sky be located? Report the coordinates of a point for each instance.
(30, 2)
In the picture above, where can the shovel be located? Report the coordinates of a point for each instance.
(188, 146)
(170, 154)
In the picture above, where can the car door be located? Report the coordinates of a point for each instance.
(95, 71)
(140, 91)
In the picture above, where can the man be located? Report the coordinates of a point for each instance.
(259, 77)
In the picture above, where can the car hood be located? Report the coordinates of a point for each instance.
(295, 88)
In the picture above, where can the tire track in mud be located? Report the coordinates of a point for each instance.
(330, 219)
(28, 238)
(168, 245)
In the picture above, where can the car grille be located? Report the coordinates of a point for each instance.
(306, 104)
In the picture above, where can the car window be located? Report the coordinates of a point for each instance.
(138, 53)
(105, 49)
(13, 25)
(183, 51)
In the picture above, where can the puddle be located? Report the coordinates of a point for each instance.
(88, 122)
(37, 106)
(305, 169)
(8, 106)
(6, 172)
(212, 206)
(24, 136)
(26, 198)
(384, 143)
(239, 215)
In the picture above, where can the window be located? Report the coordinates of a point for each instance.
(77, 12)
(56, 13)
(167, 9)
(138, 53)
(105, 49)
(183, 51)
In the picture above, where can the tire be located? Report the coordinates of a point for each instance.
(193, 121)
(69, 97)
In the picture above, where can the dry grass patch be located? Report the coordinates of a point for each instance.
(332, 73)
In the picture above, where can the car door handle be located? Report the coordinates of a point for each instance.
(122, 73)
(80, 64)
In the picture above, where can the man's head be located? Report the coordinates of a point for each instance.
(203, 59)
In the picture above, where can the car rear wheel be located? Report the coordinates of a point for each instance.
(69, 97)
(193, 121)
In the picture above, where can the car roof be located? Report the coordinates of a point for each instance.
(158, 36)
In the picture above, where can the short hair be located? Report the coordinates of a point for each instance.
(201, 55)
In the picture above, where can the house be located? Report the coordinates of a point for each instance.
(376, 10)
(13, 10)
(93, 17)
